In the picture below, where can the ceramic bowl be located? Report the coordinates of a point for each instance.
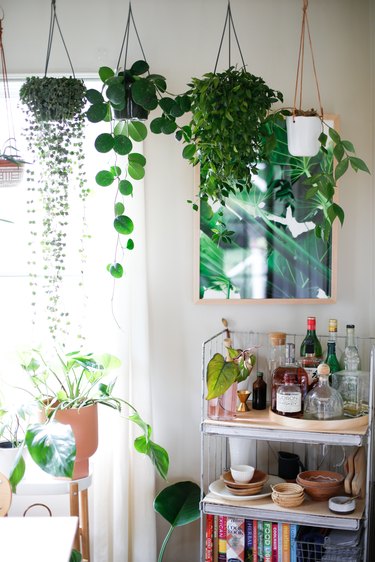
(321, 485)
(242, 473)
(342, 504)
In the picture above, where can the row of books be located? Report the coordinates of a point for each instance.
(235, 539)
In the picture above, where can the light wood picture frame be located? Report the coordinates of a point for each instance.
(274, 257)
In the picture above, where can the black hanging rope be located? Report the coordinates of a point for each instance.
(230, 23)
(53, 20)
(125, 40)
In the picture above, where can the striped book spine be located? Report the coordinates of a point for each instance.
(222, 534)
(275, 542)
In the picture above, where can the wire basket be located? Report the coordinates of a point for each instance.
(315, 552)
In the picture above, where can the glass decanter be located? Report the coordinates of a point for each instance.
(323, 402)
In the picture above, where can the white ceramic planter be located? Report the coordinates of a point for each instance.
(7, 458)
(303, 134)
(242, 451)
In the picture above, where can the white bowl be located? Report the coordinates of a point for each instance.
(342, 504)
(242, 473)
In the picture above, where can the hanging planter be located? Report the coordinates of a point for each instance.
(11, 163)
(303, 134)
(54, 110)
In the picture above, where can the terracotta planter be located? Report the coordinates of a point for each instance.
(84, 423)
(303, 134)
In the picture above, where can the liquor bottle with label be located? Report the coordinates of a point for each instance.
(311, 339)
(259, 393)
(310, 364)
(291, 368)
(289, 398)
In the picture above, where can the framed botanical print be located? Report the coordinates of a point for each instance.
(261, 246)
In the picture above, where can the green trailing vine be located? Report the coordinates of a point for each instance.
(54, 132)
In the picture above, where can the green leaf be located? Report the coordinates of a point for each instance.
(116, 171)
(136, 170)
(221, 375)
(119, 208)
(116, 95)
(123, 225)
(334, 135)
(52, 447)
(179, 503)
(189, 151)
(338, 151)
(17, 471)
(144, 93)
(139, 67)
(358, 164)
(104, 178)
(97, 112)
(156, 125)
(169, 126)
(105, 72)
(166, 104)
(104, 142)
(137, 131)
(341, 168)
(122, 145)
(158, 455)
(348, 145)
(125, 187)
(76, 556)
(130, 244)
(116, 270)
(339, 212)
(94, 96)
(136, 157)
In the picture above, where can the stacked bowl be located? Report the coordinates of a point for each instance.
(287, 494)
(251, 488)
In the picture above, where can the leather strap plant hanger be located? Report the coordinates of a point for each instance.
(11, 164)
(304, 126)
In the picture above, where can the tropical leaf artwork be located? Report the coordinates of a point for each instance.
(263, 244)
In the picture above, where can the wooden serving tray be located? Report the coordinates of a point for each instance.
(319, 425)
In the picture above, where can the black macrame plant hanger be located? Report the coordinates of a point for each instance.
(132, 110)
(229, 23)
(54, 20)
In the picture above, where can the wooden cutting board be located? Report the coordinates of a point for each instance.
(359, 478)
(349, 466)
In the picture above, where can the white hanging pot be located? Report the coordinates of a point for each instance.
(303, 133)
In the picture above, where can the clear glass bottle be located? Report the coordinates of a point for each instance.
(323, 402)
(259, 400)
(276, 352)
(289, 398)
(351, 354)
(299, 375)
(311, 339)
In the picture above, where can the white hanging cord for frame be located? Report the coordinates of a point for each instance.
(53, 20)
(301, 54)
(229, 22)
(125, 40)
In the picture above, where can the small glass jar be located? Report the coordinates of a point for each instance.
(323, 402)
(353, 387)
(289, 398)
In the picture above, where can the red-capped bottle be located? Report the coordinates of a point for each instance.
(311, 340)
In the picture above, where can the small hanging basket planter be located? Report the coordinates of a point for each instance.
(11, 165)
(132, 111)
(303, 134)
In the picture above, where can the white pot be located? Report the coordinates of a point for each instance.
(303, 134)
(7, 458)
(242, 451)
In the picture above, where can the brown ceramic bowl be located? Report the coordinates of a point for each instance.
(319, 478)
(257, 480)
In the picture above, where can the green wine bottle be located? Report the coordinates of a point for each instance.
(332, 360)
(311, 340)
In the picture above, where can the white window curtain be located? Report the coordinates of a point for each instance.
(116, 321)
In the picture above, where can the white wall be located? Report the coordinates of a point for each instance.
(181, 38)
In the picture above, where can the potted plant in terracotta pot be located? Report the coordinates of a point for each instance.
(69, 389)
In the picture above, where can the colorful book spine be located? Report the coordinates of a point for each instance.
(260, 542)
(293, 544)
(275, 543)
(249, 540)
(280, 541)
(267, 541)
(222, 535)
(285, 542)
(235, 539)
(255, 540)
(209, 554)
(216, 538)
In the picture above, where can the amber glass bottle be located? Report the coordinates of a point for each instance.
(259, 393)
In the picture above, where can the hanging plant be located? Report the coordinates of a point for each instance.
(308, 136)
(124, 101)
(11, 163)
(54, 111)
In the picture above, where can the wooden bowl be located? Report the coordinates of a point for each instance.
(259, 479)
(319, 478)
